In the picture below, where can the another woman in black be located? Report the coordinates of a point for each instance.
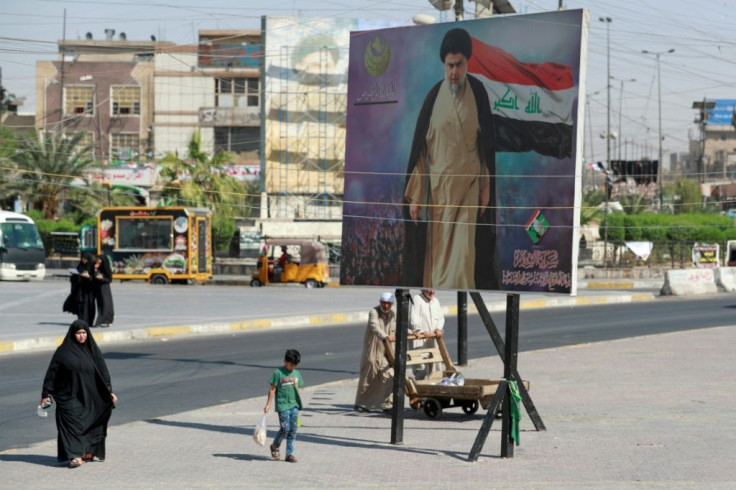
(81, 300)
(103, 294)
(78, 381)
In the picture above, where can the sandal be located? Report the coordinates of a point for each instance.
(275, 452)
(88, 457)
(75, 463)
(290, 458)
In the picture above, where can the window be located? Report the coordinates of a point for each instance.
(253, 92)
(237, 139)
(87, 141)
(20, 235)
(236, 92)
(79, 100)
(126, 101)
(124, 146)
(144, 234)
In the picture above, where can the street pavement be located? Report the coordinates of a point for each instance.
(645, 412)
(33, 319)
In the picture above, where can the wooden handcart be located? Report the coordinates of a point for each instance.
(434, 397)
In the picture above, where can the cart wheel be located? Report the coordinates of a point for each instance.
(310, 284)
(159, 279)
(432, 408)
(255, 283)
(470, 406)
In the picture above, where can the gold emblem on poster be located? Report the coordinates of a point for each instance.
(376, 57)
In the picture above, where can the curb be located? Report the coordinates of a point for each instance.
(103, 336)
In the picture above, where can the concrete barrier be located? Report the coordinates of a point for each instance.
(726, 278)
(688, 282)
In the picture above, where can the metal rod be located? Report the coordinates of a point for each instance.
(462, 328)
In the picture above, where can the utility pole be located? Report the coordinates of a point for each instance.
(659, 97)
(620, 111)
(460, 10)
(703, 107)
(608, 21)
(61, 75)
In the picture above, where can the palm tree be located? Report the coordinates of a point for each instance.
(45, 165)
(200, 180)
(590, 209)
(635, 203)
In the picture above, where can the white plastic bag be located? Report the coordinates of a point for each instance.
(259, 434)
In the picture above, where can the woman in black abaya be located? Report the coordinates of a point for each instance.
(81, 300)
(103, 294)
(78, 381)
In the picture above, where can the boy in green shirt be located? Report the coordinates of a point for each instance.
(285, 383)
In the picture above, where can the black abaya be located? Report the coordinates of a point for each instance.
(103, 294)
(79, 382)
(81, 300)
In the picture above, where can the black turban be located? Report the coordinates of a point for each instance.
(456, 41)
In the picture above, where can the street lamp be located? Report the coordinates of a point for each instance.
(659, 97)
(620, 108)
(608, 21)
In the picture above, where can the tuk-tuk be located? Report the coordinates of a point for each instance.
(292, 261)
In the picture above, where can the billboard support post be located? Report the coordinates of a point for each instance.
(462, 328)
(509, 354)
(403, 297)
(498, 342)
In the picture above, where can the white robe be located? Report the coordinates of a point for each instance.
(426, 316)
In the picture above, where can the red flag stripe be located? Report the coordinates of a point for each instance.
(497, 64)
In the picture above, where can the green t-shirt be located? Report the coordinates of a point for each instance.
(286, 394)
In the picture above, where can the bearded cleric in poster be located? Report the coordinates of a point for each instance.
(451, 179)
(462, 167)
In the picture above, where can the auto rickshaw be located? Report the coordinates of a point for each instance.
(292, 261)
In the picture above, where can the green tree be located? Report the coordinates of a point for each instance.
(8, 145)
(687, 196)
(45, 165)
(634, 203)
(590, 209)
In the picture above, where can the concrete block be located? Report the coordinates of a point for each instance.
(688, 282)
(726, 278)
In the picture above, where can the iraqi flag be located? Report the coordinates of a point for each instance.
(532, 103)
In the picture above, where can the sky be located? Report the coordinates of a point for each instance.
(703, 64)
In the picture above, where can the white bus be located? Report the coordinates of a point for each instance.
(22, 256)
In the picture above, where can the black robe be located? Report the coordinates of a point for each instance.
(79, 383)
(487, 273)
(103, 294)
(81, 299)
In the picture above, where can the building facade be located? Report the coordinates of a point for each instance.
(103, 89)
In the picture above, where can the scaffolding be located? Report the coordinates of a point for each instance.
(305, 155)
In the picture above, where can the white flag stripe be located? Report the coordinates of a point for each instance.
(528, 102)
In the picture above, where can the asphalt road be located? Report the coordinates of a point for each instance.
(156, 377)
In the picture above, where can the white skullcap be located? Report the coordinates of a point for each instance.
(387, 298)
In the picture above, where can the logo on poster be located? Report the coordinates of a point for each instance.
(377, 56)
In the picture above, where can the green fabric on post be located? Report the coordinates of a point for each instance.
(515, 404)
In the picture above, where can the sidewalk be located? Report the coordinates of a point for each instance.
(632, 413)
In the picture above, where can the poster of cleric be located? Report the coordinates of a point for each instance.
(462, 163)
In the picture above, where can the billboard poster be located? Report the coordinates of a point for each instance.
(722, 112)
(462, 156)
